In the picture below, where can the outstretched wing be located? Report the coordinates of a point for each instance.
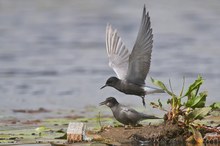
(118, 54)
(140, 58)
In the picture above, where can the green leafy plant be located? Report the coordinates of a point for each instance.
(185, 107)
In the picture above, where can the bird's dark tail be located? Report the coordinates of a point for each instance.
(150, 117)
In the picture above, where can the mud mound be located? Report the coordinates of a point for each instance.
(163, 134)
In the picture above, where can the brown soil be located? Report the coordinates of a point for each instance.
(162, 134)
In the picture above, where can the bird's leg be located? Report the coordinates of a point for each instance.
(143, 101)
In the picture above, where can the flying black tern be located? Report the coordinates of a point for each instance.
(131, 68)
(124, 114)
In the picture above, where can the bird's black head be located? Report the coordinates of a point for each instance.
(110, 102)
(112, 81)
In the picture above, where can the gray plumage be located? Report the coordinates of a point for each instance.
(124, 114)
(131, 69)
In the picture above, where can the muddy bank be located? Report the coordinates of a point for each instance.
(161, 134)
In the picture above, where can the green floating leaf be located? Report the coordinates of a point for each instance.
(161, 85)
(41, 129)
(199, 113)
(194, 86)
(198, 101)
(62, 137)
(215, 105)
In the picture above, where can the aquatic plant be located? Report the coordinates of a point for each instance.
(186, 107)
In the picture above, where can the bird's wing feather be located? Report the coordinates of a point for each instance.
(131, 113)
(140, 58)
(118, 54)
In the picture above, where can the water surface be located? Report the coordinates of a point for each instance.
(52, 53)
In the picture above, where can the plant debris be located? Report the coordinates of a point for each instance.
(40, 110)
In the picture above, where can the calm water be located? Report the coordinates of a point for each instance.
(52, 53)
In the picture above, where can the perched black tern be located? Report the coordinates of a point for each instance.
(124, 114)
(131, 68)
